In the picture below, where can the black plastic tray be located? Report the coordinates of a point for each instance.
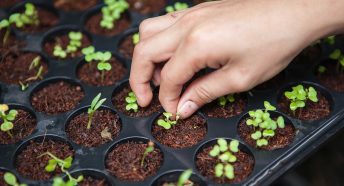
(268, 164)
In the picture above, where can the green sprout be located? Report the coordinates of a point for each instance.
(36, 64)
(111, 12)
(184, 178)
(28, 17)
(167, 123)
(264, 126)
(176, 7)
(72, 47)
(226, 154)
(58, 181)
(149, 149)
(10, 179)
(136, 38)
(321, 69)
(7, 125)
(331, 40)
(5, 24)
(224, 100)
(131, 102)
(299, 95)
(95, 104)
(338, 56)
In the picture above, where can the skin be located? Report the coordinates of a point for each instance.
(246, 41)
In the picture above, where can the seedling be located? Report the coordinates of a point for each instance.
(264, 126)
(176, 7)
(5, 24)
(149, 149)
(11, 180)
(331, 40)
(95, 105)
(299, 95)
(167, 123)
(321, 69)
(131, 102)
(184, 178)
(36, 64)
(136, 38)
(224, 100)
(111, 12)
(58, 181)
(338, 56)
(28, 17)
(72, 47)
(226, 154)
(7, 125)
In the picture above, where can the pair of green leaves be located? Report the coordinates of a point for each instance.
(111, 12)
(11, 180)
(299, 95)
(7, 119)
(338, 56)
(167, 123)
(95, 105)
(224, 169)
(55, 161)
(71, 182)
(176, 7)
(184, 177)
(59, 52)
(224, 100)
(102, 58)
(74, 41)
(131, 101)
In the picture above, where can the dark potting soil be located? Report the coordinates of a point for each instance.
(90, 181)
(283, 137)
(275, 82)
(214, 110)
(242, 167)
(146, 6)
(15, 66)
(312, 111)
(185, 133)
(332, 78)
(63, 41)
(46, 18)
(30, 165)
(126, 48)
(309, 55)
(89, 73)
(104, 121)
(124, 161)
(93, 25)
(23, 125)
(118, 100)
(75, 5)
(57, 97)
(8, 3)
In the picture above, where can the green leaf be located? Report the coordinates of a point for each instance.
(266, 116)
(95, 100)
(224, 157)
(335, 55)
(164, 124)
(169, 9)
(250, 122)
(280, 122)
(312, 94)
(222, 101)
(58, 182)
(10, 179)
(132, 106)
(6, 126)
(222, 144)
(232, 158)
(256, 135)
(229, 171)
(136, 38)
(268, 133)
(262, 142)
(322, 69)
(88, 50)
(75, 35)
(184, 177)
(290, 95)
(219, 170)
(234, 146)
(296, 104)
(130, 99)
(231, 98)
(167, 115)
(68, 162)
(4, 24)
(268, 106)
(215, 151)
(99, 103)
(50, 167)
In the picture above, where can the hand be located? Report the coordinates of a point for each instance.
(247, 41)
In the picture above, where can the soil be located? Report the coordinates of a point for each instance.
(118, 100)
(275, 82)
(46, 18)
(75, 5)
(11, 44)
(23, 126)
(93, 25)
(103, 120)
(30, 165)
(15, 67)
(214, 110)
(242, 167)
(146, 6)
(90, 181)
(283, 137)
(63, 41)
(126, 48)
(117, 72)
(58, 97)
(124, 161)
(312, 111)
(331, 78)
(185, 133)
(8, 3)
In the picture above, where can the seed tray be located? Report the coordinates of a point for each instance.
(269, 165)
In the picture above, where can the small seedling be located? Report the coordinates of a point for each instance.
(184, 178)
(58, 181)
(5, 24)
(7, 125)
(264, 126)
(167, 123)
(10, 179)
(136, 38)
(224, 100)
(338, 56)
(299, 95)
(131, 102)
(95, 104)
(225, 153)
(331, 40)
(75, 42)
(321, 69)
(176, 7)
(36, 64)
(149, 149)
(111, 12)
(28, 17)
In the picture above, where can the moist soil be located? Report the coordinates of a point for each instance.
(146, 6)
(93, 25)
(15, 66)
(90, 181)
(8, 3)
(124, 161)
(30, 165)
(242, 167)
(117, 72)
(58, 97)
(23, 125)
(127, 46)
(312, 111)
(75, 5)
(63, 41)
(283, 136)
(214, 110)
(332, 78)
(185, 133)
(118, 100)
(275, 82)
(46, 18)
(103, 120)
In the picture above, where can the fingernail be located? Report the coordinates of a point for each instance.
(187, 109)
